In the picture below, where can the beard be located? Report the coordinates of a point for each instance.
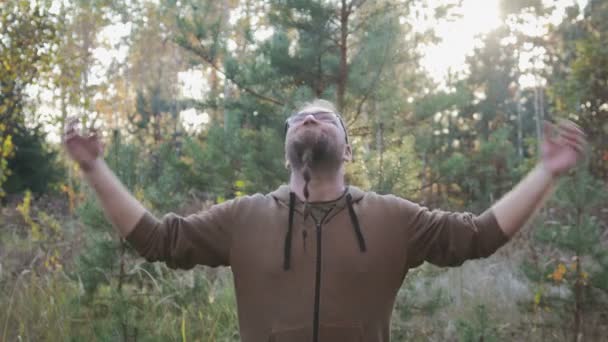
(315, 151)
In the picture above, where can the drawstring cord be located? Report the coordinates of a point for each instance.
(353, 218)
(287, 251)
(355, 222)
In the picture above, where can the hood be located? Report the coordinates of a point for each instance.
(286, 197)
(282, 195)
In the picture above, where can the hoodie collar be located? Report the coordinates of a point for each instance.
(288, 198)
(281, 195)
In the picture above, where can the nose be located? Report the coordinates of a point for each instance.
(309, 119)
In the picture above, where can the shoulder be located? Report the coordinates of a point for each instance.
(248, 201)
(371, 200)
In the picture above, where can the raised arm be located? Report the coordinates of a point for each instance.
(449, 238)
(181, 242)
(562, 148)
(121, 208)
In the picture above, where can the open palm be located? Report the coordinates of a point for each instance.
(563, 146)
(82, 149)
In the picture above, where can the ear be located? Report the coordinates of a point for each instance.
(348, 154)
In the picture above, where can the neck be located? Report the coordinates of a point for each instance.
(321, 188)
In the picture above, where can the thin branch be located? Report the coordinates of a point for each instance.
(206, 59)
(371, 87)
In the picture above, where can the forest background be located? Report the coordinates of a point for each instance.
(191, 96)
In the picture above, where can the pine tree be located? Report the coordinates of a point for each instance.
(570, 262)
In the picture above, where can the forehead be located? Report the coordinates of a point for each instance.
(314, 109)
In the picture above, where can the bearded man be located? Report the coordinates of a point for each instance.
(318, 260)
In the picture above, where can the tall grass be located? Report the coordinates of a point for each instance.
(54, 307)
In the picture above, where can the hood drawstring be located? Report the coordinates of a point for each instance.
(287, 251)
(355, 221)
(353, 218)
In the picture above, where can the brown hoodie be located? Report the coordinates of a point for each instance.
(301, 280)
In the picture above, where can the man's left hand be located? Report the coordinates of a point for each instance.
(563, 146)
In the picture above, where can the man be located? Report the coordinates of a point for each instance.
(317, 260)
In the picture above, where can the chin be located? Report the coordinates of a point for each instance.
(323, 148)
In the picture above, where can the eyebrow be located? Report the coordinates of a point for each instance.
(338, 116)
(314, 112)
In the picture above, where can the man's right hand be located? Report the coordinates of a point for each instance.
(82, 149)
(121, 208)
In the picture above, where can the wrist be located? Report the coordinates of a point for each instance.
(542, 167)
(90, 166)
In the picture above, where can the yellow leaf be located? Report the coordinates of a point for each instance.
(139, 193)
(558, 274)
(187, 160)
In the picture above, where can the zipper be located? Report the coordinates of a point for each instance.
(315, 326)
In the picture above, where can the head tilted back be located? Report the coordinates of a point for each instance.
(318, 103)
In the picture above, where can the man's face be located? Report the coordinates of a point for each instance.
(315, 137)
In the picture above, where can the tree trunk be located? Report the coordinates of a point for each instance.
(578, 290)
(520, 148)
(538, 116)
(343, 72)
(380, 152)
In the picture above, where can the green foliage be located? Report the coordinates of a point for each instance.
(480, 327)
(33, 165)
(210, 166)
(394, 170)
(578, 78)
(263, 167)
(578, 264)
(28, 36)
(161, 178)
(49, 308)
(6, 152)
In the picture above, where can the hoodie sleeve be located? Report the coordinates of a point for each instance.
(183, 242)
(450, 238)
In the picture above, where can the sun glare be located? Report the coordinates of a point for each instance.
(459, 36)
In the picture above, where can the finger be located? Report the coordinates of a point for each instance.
(574, 141)
(569, 135)
(73, 139)
(575, 137)
(93, 138)
(579, 148)
(571, 127)
(69, 128)
(72, 123)
(548, 130)
(93, 132)
(69, 135)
